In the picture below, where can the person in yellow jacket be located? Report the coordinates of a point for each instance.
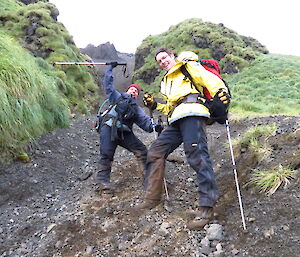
(187, 116)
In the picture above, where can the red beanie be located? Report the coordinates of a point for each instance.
(136, 86)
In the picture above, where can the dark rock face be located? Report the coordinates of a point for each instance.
(32, 38)
(148, 75)
(140, 57)
(105, 51)
(201, 42)
(230, 68)
(249, 41)
(218, 52)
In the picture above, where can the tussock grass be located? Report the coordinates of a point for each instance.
(51, 41)
(254, 133)
(269, 181)
(255, 139)
(31, 103)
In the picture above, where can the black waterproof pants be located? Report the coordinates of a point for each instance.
(108, 148)
(190, 131)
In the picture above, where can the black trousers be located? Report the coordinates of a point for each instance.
(191, 132)
(108, 148)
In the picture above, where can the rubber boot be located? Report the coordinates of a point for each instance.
(147, 204)
(203, 217)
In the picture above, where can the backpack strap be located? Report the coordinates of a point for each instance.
(185, 72)
(208, 64)
(104, 114)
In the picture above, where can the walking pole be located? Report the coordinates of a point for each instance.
(156, 135)
(86, 63)
(235, 175)
(91, 64)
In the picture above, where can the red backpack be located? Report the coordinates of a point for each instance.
(210, 65)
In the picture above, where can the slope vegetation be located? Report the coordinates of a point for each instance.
(38, 96)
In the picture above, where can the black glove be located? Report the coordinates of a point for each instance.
(224, 96)
(114, 64)
(149, 101)
(158, 128)
(218, 106)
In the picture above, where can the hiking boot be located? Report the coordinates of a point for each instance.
(202, 218)
(147, 204)
(107, 192)
(104, 188)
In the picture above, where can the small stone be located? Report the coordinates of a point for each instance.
(89, 249)
(205, 242)
(190, 180)
(50, 227)
(269, 232)
(215, 232)
(285, 228)
(219, 247)
(235, 251)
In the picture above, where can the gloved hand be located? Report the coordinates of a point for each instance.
(218, 106)
(114, 64)
(224, 96)
(149, 101)
(158, 128)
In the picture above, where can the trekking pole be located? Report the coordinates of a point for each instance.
(86, 63)
(235, 175)
(90, 64)
(156, 135)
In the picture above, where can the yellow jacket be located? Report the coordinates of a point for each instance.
(174, 88)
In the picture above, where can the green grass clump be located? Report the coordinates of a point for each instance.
(254, 133)
(31, 103)
(270, 180)
(255, 139)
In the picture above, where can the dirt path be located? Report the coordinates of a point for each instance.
(49, 206)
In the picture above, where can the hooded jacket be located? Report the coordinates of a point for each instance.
(175, 86)
(140, 119)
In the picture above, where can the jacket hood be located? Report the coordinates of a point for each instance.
(183, 58)
(187, 56)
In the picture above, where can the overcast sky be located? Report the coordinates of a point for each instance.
(125, 23)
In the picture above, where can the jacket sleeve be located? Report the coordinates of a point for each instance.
(108, 86)
(164, 108)
(143, 120)
(205, 78)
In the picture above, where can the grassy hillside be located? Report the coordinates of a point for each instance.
(37, 30)
(35, 96)
(208, 40)
(261, 83)
(271, 85)
(31, 103)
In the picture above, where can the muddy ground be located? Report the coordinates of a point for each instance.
(49, 206)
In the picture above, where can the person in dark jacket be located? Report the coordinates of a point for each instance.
(118, 132)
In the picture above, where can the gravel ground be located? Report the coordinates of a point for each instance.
(49, 206)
